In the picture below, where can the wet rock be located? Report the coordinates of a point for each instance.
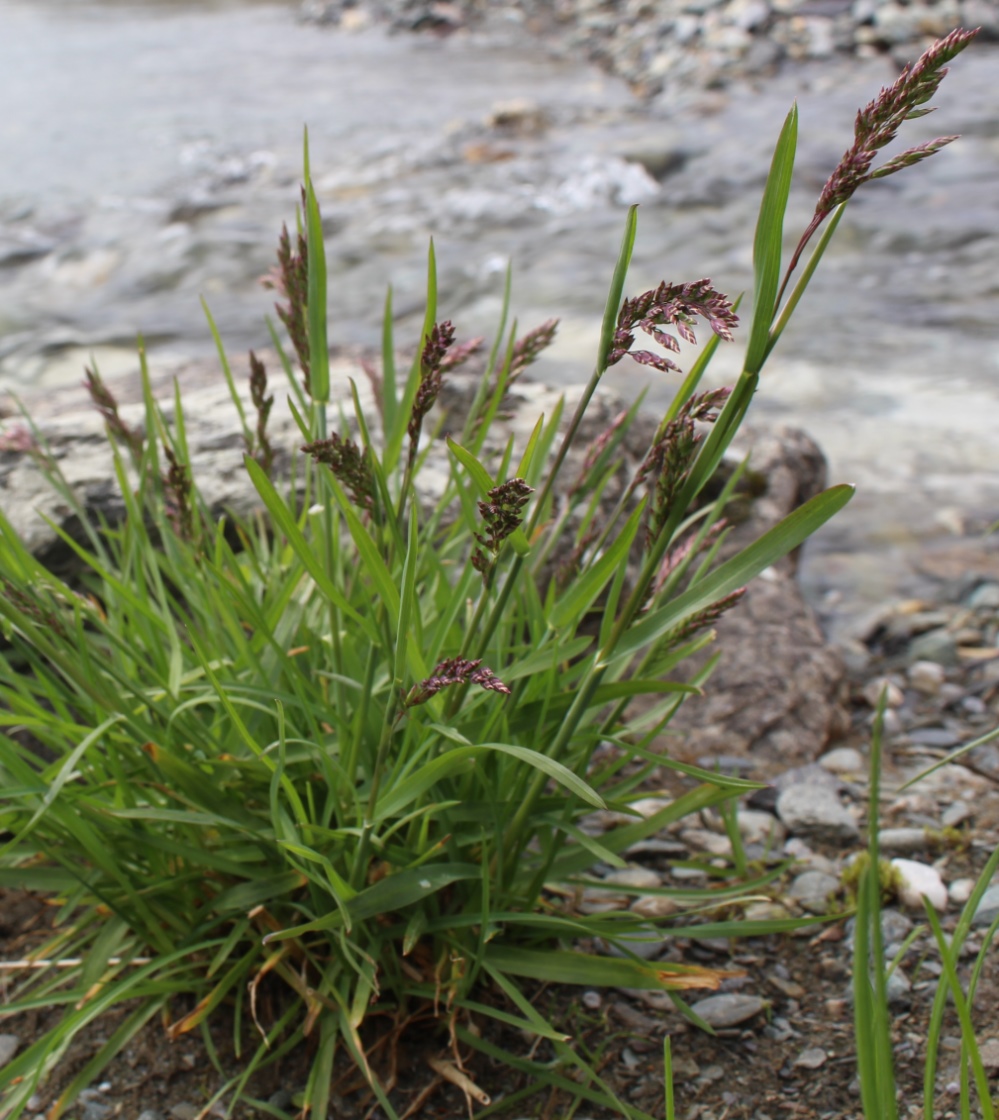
(817, 813)
(918, 879)
(728, 1010)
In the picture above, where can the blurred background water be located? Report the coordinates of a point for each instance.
(152, 150)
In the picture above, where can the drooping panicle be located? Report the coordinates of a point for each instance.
(178, 490)
(670, 305)
(502, 515)
(291, 279)
(432, 367)
(349, 465)
(451, 671)
(877, 125)
(260, 445)
(106, 404)
(529, 347)
(667, 466)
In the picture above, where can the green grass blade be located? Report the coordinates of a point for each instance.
(768, 242)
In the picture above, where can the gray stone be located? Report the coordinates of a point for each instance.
(988, 1051)
(843, 760)
(898, 989)
(728, 1010)
(817, 814)
(811, 891)
(985, 595)
(184, 1111)
(926, 676)
(150, 1114)
(988, 907)
(895, 926)
(812, 1058)
(935, 645)
(903, 840)
(9, 1044)
(646, 943)
(97, 1110)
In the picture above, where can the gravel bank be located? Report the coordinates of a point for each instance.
(671, 49)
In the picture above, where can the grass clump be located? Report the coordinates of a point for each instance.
(349, 744)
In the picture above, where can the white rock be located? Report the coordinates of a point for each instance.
(634, 877)
(926, 677)
(920, 879)
(843, 760)
(872, 692)
(960, 891)
(701, 840)
(758, 827)
(654, 906)
(728, 1010)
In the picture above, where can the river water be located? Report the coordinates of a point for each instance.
(152, 150)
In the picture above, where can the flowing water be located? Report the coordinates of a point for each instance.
(152, 150)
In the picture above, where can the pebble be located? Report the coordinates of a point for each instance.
(9, 1044)
(956, 814)
(817, 813)
(150, 1114)
(758, 827)
(184, 1111)
(728, 1010)
(926, 677)
(701, 839)
(918, 879)
(988, 1051)
(844, 760)
(812, 891)
(654, 906)
(903, 840)
(960, 891)
(812, 1058)
(898, 990)
(988, 908)
(935, 645)
(645, 943)
(642, 877)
